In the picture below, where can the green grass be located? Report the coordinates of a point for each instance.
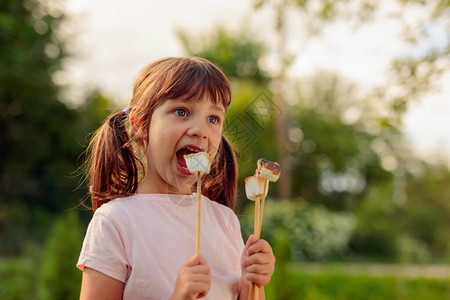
(18, 281)
(334, 284)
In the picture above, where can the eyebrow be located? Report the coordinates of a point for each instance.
(214, 107)
(219, 109)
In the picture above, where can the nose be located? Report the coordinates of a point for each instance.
(198, 129)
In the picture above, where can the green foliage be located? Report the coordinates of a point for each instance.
(378, 229)
(313, 231)
(17, 278)
(47, 273)
(41, 139)
(414, 231)
(36, 151)
(281, 277)
(22, 227)
(59, 278)
(428, 209)
(237, 55)
(337, 286)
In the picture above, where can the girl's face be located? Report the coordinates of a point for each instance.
(180, 127)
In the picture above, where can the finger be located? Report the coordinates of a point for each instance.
(258, 258)
(194, 260)
(200, 269)
(202, 294)
(260, 280)
(259, 246)
(259, 269)
(201, 259)
(199, 278)
(198, 288)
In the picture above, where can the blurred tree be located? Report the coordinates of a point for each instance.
(59, 279)
(330, 144)
(427, 212)
(237, 55)
(411, 76)
(40, 138)
(35, 127)
(417, 72)
(316, 14)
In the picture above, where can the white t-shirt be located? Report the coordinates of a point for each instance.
(145, 239)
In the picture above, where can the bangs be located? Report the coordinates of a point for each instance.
(194, 79)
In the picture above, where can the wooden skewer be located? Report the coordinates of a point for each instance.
(199, 210)
(257, 212)
(251, 292)
(254, 291)
(262, 209)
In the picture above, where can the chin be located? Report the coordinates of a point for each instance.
(182, 183)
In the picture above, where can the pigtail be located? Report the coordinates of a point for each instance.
(112, 166)
(220, 184)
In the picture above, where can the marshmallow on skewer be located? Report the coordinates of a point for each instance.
(254, 187)
(268, 170)
(198, 162)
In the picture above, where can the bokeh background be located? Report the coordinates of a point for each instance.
(351, 97)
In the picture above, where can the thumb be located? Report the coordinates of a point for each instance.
(194, 260)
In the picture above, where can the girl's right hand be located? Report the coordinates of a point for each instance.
(194, 279)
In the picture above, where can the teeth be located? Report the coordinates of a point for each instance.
(192, 149)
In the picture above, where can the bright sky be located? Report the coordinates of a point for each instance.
(115, 39)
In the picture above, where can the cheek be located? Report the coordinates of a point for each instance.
(215, 143)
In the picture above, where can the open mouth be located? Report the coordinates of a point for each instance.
(181, 162)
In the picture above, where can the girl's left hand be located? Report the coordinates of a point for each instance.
(257, 262)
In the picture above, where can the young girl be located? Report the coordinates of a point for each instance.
(141, 239)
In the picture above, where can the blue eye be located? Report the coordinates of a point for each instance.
(180, 112)
(213, 119)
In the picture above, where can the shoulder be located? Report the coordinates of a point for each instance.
(223, 212)
(117, 210)
(220, 207)
(115, 206)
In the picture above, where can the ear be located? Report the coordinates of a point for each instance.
(136, 123)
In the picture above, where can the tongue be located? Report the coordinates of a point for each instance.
(180, 157)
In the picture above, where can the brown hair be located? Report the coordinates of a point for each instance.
(114, 168)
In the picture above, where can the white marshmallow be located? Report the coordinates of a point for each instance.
(198, 162)
(254, 187)
(268, 170)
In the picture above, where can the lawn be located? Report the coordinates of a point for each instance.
(19, 280)
(360, 281)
